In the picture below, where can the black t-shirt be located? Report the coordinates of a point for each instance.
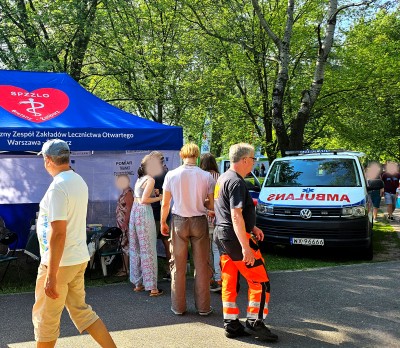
(391, 182)
(231, 192)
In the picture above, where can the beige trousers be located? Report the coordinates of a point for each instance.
(46, 313)
(195, 231)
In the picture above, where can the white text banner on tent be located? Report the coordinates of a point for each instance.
(23, 179)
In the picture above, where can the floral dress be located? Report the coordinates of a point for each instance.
(142, 242)
(123, 213)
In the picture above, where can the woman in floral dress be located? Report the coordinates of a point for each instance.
(142, 229)
(123, 213)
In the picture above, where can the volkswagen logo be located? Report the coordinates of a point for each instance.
(305, 214)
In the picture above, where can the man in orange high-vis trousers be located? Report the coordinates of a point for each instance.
(237, 238)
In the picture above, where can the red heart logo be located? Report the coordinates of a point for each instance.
(37, 106)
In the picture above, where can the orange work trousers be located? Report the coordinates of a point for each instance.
(257, 280)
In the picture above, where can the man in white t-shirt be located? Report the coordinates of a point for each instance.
(61, 230)
(189, 187)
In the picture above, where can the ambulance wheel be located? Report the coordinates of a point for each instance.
(368, 253)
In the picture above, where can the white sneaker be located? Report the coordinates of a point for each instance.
(204, 314)
(177, 313)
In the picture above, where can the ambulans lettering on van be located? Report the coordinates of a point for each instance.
(317, 199)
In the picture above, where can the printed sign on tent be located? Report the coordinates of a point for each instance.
(23, 179)
(124, 167)
(81, 153)
(37, 106)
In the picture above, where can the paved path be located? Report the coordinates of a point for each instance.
(390, 251)
(346, 306)
(396, 224)
(383, 216)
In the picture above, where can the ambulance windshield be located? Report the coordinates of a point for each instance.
(314, 172)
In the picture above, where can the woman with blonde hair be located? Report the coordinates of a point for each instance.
(142, 229)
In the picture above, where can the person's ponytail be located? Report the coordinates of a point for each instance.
(141, 172)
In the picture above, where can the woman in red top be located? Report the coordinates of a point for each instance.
(123, 213)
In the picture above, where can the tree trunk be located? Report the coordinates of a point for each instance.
(25, 26)
(83, 33)
(310, 95)
(281, 81)
(160, 107)
(277, 102)
(295, 140)
(283, 46)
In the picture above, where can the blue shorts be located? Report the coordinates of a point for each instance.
(390, 198)
(376, 198)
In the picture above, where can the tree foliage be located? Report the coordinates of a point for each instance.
(362, 107)
(279, 74)
(46, 35)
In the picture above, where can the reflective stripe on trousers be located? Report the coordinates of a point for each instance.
(259, 287)
(231, 310)
(259, 310)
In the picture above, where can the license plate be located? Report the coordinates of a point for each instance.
(306, 241)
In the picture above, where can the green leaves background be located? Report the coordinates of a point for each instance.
(177, 61)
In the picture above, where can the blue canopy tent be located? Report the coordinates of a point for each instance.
(37, 106)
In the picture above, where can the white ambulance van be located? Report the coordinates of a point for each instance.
(318, 198)
(253, 179)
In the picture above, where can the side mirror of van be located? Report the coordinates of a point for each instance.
(252, 183)
(374, 185)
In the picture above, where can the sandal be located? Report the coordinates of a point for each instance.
(121, 274)
(156, 294)
(139, 288)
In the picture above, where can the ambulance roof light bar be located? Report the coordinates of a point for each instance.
(310, 152)
(322, 152)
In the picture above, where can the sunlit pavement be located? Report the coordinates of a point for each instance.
(346, 306)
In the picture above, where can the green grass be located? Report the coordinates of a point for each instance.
(298, 258)
(25, 280)
(281, 261)
(277, 259)
(384, 234)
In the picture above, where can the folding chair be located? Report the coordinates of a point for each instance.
(2, 226)
(7, 238)
(112, 239)
(32, 248)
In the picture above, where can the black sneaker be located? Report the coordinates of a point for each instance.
(235, 329)
(392, 218)
(259, 330)
(216, 286)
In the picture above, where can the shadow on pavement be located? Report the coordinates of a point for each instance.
(348, 306)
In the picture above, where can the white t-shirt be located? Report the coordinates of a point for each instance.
(65, 199)
(189, 187)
